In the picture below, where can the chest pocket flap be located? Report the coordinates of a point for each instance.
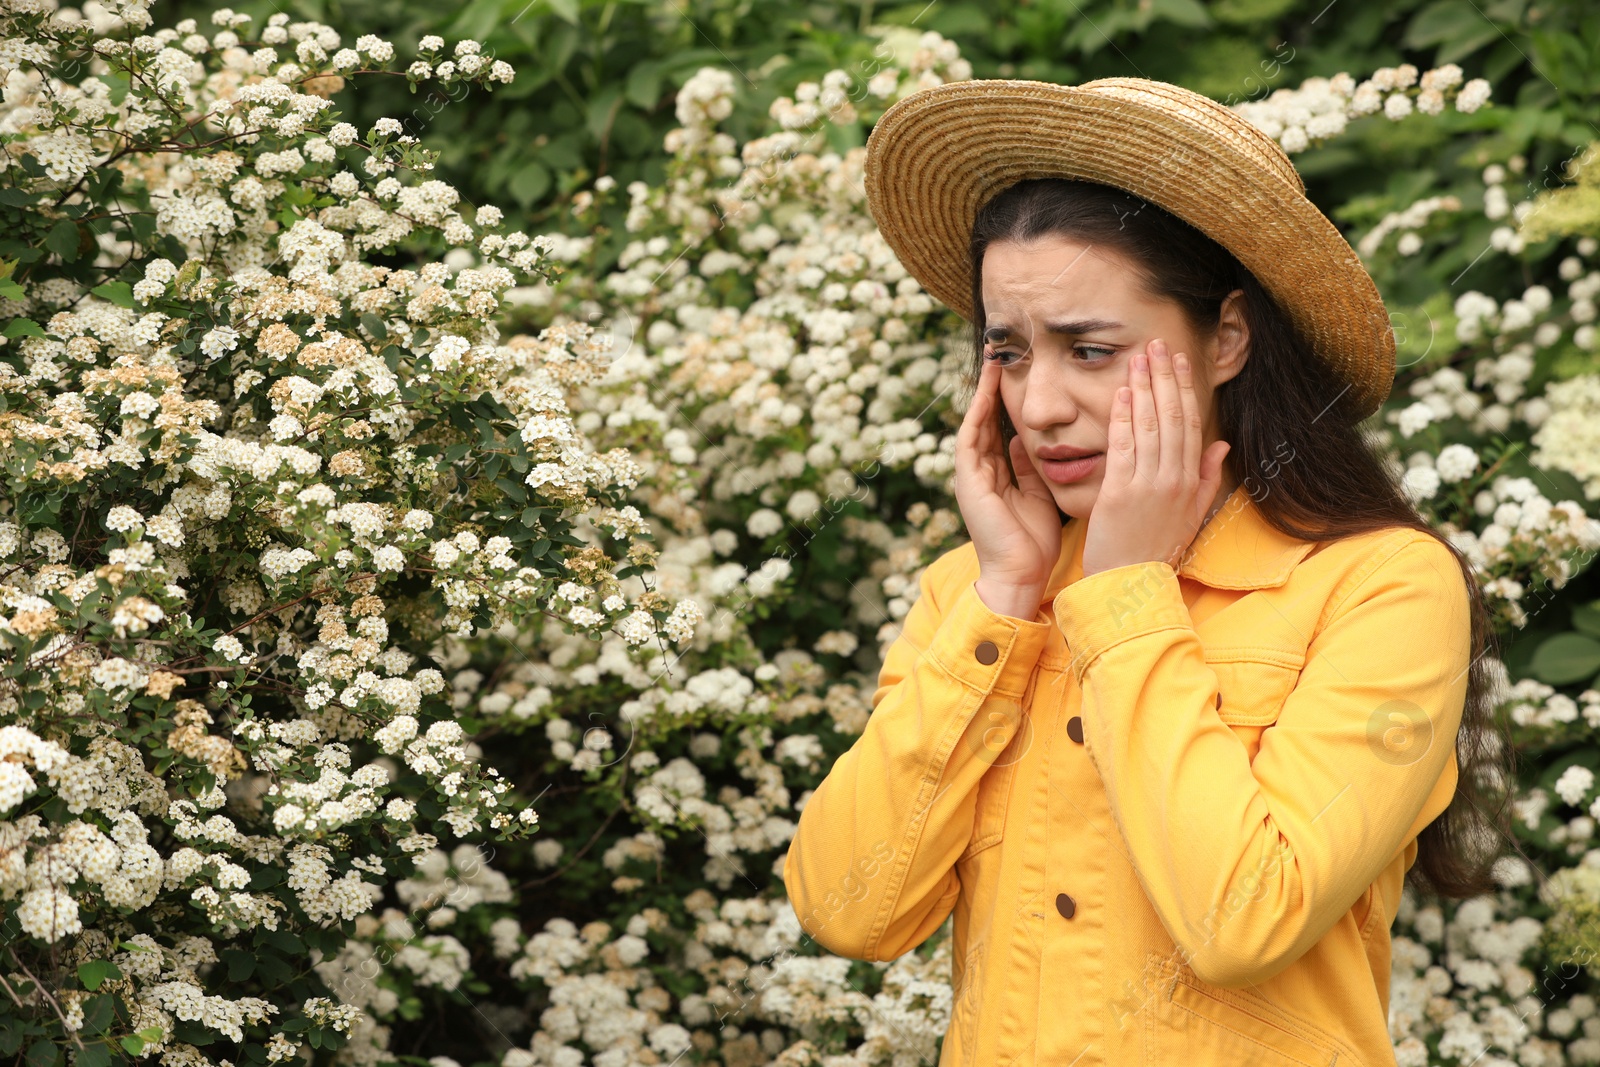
(1253, 683)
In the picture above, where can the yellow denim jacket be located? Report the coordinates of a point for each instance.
(1171, 814)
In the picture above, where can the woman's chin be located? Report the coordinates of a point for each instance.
(1077, 499)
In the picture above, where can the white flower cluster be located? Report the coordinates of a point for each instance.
(1461, 983)
(1524, 540)
(1406, 222)
(1321, 107)
(261, 415)
(1568, 437)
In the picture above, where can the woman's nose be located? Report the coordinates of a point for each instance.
(1049, 395)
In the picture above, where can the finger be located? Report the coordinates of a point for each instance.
(1193, 423)
(1119, 439)
(989, 430)
(1169, 413)
(1029, 481)
(977, 442)
(1146, 422)
(972, 424)
(1211, 476)
(967, 434)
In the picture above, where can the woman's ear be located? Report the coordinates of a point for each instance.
(1232, 339)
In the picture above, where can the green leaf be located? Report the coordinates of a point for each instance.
(487, 401)
(604, 103)
(133, 1044)
(644, 84)
(274, 970)
(98, 1013)
(241, 964)
(513, 490)
(43, 1053)
(24, 328)
(14, 1033)
(375, 326)
(265, 878)
(94, 1054)
(119, 293)
(566, 9)
(1189, 13)
(529, 183)
(1565, 658)
(94, 972)
(1586, 618)
(63, 240)
(1458, 30)
(12, 291)
(193, 1033)
(282, 940)
(477, 19)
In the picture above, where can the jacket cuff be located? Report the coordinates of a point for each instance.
(986, 651)
(1099, 612)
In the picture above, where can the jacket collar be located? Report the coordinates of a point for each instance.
(1237, 549)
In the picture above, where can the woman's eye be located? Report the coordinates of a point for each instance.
(1087, 354)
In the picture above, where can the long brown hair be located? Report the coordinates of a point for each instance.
(1337, 485)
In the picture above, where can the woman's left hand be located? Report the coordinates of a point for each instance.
(1158, 484)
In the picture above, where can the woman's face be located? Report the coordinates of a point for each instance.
(1065, 319)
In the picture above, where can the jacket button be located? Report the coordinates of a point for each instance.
(987, 652)
(1075, 728)
(1065, 905)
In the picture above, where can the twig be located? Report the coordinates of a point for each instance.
(61, 1015)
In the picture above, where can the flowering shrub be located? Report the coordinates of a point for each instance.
(255, 483)
(293, 536)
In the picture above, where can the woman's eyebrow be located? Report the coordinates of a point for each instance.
(1000, 331)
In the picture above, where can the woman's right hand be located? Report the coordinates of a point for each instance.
(1016, 529)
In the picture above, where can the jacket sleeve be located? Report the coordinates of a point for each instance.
(1248, 865)
(870, 870)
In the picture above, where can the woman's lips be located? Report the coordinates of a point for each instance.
(1063, 471)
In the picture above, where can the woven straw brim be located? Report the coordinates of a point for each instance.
(939, 154)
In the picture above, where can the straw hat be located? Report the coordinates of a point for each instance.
(939, 154)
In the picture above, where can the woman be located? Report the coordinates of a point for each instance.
(1167, 763)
